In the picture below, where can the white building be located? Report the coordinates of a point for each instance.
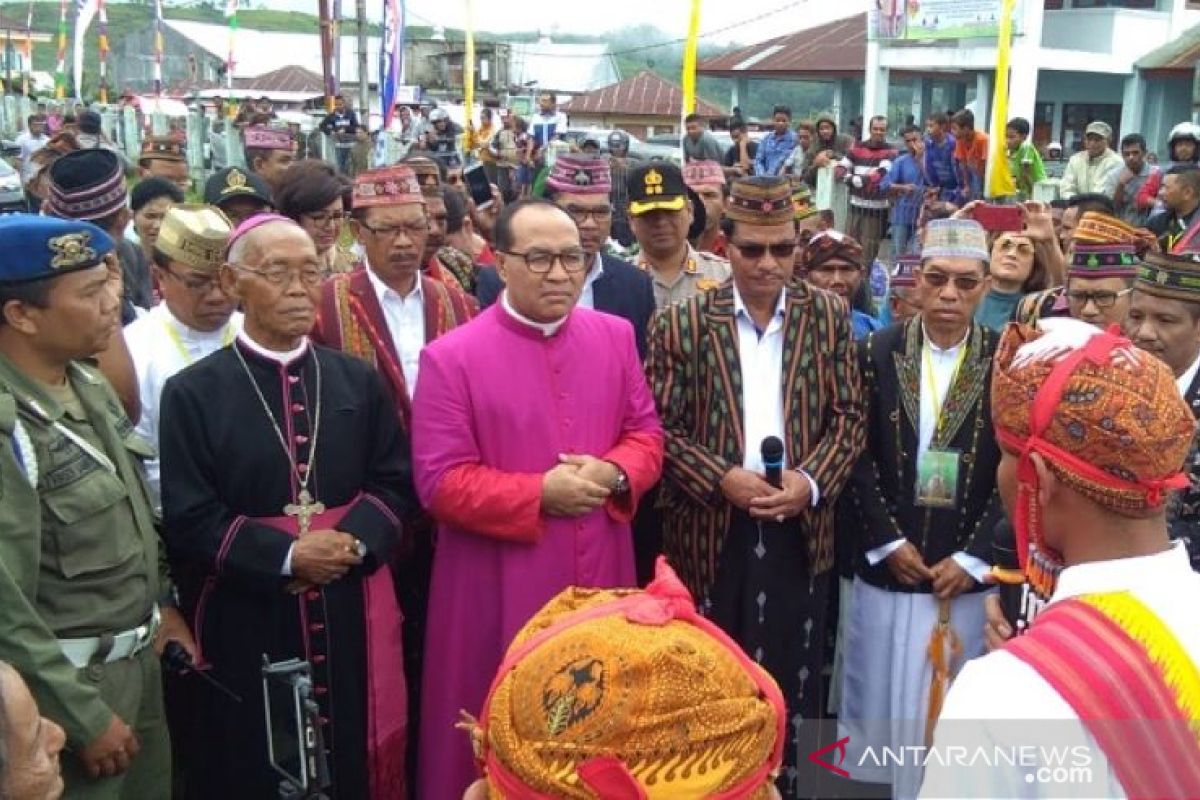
(1073, 61)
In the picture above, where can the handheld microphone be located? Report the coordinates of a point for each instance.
(772, 458)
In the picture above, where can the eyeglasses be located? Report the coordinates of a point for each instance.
(963, 283)
(324, 219)
(282, 276)
(581, 213)
(412, 230)
(197, 284)
(542, 261)
(779, 250)
(1100, 299)
(1008, 245)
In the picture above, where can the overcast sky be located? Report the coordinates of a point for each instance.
(598, 16)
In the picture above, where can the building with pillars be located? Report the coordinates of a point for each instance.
(1130, 63)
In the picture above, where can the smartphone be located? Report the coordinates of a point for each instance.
(999, 218)
(478, 185)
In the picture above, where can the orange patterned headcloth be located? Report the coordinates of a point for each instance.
(1106, 417)
(629, 695)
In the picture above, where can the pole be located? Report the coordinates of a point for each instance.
(364, 81)
(326, 54)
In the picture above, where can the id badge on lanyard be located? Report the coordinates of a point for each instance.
(938, 468)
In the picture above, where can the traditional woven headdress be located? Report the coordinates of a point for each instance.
(616, 694)
(828, 245)
(1106, 417)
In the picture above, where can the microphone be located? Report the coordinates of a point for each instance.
(772, 458)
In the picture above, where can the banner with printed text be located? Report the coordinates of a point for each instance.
(923, 20)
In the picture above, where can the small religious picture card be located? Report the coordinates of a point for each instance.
(937, 478)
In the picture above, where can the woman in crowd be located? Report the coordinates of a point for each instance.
(150, 201)
(314, 195)
(1015, 272)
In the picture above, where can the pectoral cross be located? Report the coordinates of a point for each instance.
(304, 510)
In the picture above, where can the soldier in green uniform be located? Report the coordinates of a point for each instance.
(665, 214)
(83, 590)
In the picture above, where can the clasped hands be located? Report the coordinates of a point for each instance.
(948, 579)
(321, 557)
(750, 492)
(577, 486)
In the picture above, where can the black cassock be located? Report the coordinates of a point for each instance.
(223, 466)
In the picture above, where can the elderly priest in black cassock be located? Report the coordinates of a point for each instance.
(284, 479)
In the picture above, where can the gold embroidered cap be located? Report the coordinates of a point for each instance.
(194, 235)
(629, 693)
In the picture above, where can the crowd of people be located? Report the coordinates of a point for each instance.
(420, 450)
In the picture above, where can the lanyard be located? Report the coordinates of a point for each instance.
(226, 339)
(931, 380)
(83, 444)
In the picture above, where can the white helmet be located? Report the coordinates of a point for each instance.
(438, 114)
(1184, 130)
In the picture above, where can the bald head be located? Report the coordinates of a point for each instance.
(248, 248)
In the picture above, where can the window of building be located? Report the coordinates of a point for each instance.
(1076, 117)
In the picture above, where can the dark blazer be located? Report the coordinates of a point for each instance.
(623, 291)
(883, 486)
(1183, 509)
(696, 378)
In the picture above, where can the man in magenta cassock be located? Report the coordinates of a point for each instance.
(534, 436)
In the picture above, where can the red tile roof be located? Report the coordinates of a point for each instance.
(838, 48)
(646, 94)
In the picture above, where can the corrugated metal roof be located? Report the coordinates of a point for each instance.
(837, 48)
(1178, 54)
(646, 94)
(285, 79)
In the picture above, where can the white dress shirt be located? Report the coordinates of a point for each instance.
(944, 363)
(1184, 381)
(160, 346)
(760, 355)
(999, 701)
(405, 317)
(587, 297)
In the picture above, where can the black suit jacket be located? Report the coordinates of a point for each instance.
(883, 486)
(623, 291)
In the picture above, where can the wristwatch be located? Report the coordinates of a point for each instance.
(621, 484)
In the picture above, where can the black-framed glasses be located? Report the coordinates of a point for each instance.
(282, 276)
(755, 251)
(197, 284)
(1100, 299)
(963, 283)
(542, 261)
(581, 213)
(325, 219)
(411, 229)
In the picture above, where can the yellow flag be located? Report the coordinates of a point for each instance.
(999, 182)
(469, 67)
(689, 62)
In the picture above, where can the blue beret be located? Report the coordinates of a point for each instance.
(33, 248)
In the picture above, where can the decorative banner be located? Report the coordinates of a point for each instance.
(103, 48)
(935, 19)
(85, 12)
(60, 67)
(469, 67)
(335, 36)
(158, 47)
(999, 179)
(689, 65)
(28, 51)
(231, 9)
(391, 58)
